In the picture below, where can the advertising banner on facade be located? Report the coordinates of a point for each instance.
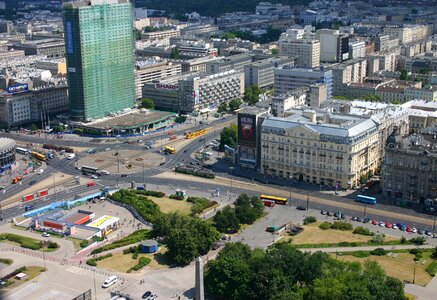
(247, 130)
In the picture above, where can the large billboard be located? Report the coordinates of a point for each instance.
(247, 130)
(22, 87)
(69, 38)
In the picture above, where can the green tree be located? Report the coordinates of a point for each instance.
(275, 51)
(226, 220)
(229, 137)
(180, 119)
(235, 104)
(223, 107)
(59, 128)
(248, 209)
(228, 35)
(137, 34)
(148, 103)
(33, 127)
(404, 75)
(251, 95)
(175, 53)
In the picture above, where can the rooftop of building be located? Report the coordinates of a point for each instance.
(423, 143)
(344, 126)
(421, 104)
(82, 3)
(130, 120)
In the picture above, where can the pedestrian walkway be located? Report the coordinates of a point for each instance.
(366, 248)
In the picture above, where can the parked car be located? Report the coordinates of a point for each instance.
(91, 183)
(329, 213)
(354, 218)
(40, 171)
(381, 224)
(323, 212)
(366, 220)
(388, 225)
(301, 208)
(409, 229)
(428, 233)
(94, 177)
(413, 230)
(146, 295)
(421, 231)
(375, 222)
(45, 234)
(394, 226)
(359, 219)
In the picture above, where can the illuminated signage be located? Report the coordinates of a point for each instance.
(166, 86)
(69, 38)
(17, 88)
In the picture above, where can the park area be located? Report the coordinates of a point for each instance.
(168, 205)
(314, 235)
(399, 265)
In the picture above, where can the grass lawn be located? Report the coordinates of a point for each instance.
(32, 272)
(122, 262)
(400, 267)
(76, 243)
(168, 205)
(312, 234)
(25, 242)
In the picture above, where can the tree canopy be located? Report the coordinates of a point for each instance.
(229, 137)
(234, 104)
(148, 103)
(284, 272)
(251, 94)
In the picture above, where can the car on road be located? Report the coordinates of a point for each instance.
(94, 177)
(323, 212)
(104, 172)
(375, 222)
(162, 163)
(40, 171)
(32, 182)
(147, 147)
(146, 295)
(109, 281)
(91, 183)
(123, 175)
(108, 149)
(301, 208)
(71, 156)
(388, 225)
(152, 297)
(366, 220)
(45, 234)
(28, 207)
(2, 187)
(185, 151)
(91, 151)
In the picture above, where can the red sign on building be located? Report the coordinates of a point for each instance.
(28, 197)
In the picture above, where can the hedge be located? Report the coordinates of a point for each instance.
(363, 231)
(58, 148)
(361, 254)
(93, 261)
(134, 237)
(325, 226)
(379, 252)
(142, 262)
(200, 204)
(339, 225)
(195, 172)
(432, 268)
(27, 242)
(6, 261)
(309, 220)
(156, 194)
(145, 207)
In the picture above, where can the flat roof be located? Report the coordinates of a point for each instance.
(103, 222)
(130, 120)
(75, 217)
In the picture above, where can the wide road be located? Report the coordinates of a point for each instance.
(231, 183)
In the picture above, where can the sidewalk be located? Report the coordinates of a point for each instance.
(366, 248)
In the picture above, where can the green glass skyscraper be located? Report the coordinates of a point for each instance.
(99, 49)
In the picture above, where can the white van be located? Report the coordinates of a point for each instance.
(71, 156)
(109, 281)
(104, 172)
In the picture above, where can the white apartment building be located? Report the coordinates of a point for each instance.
(357, 49)
(298, 43)
(334, 46)
(284, 102)
(159, 35)
(288, 78)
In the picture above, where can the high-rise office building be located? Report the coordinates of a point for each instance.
(100, 57)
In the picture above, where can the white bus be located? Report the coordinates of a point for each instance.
(22, 150)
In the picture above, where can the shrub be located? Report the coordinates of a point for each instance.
(325, 226)
(93, 261)
(343, 244)
(135, 255)
(6, 261)
(84, 244)
(176, 197)
(361, 254)
(156, 194)
(379, 252)
(418, 256)
(309, 220)
(199, 204)
(363, 231)
(415, 251)
(134, 237)
(403, 240)
(420, 240)
(134, 249)
(142, 262)
(52, 245)
(340, 225)
(432, 268)
(377, 239)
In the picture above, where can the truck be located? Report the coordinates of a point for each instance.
(17, 179)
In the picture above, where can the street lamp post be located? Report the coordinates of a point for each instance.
(95, 288)
(365, 207)
(414, 273)
(232, 182)
(118, 160)
(308, 201)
